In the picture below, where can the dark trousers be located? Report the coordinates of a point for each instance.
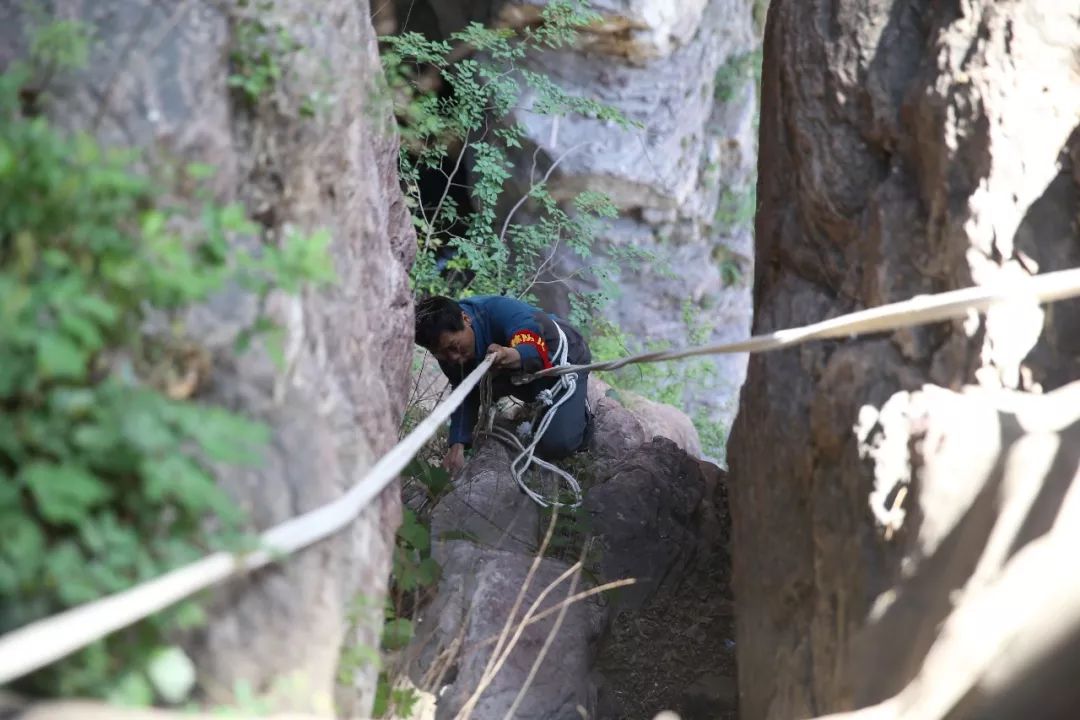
(566, 434)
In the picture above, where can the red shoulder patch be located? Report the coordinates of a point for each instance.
(528, 337)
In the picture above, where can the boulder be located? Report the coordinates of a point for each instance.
(476, 596)
(662, 518)
(656, 419)
(615, 432)
(644, 517)
(486, 507)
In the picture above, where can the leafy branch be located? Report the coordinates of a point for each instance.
(469, 126)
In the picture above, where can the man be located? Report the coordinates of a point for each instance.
(524, 340)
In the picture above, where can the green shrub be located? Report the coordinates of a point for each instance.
(735, 73)
(491, 252)
(106, 456)
(671, 382)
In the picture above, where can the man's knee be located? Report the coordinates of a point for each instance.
(560, 441)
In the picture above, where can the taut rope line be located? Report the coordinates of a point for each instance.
(919, 310)
(44, 641)
(47, 640)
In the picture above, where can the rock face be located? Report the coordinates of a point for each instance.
(651, 512)
(659, 488)
(679, 70)
(983, 621)
(478, 590)
(682, 183)
(906, 147)
(158, 79)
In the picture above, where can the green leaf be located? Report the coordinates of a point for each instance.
(200, 171)
(145, 429)
(381, 705)
(428, 572)
(180, 478)
(413, 532)
(172, 674)
(103, 311)
(64, 492)
(433, 477)
(22, 548)
(397, 633)
(190, 615)
(72, 402)
(83, 331)
(59, 357)
(223, 436)
(65, 570)
(131, 690)
(95, 439)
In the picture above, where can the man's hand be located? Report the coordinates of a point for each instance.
(506, 358)
(455, 458)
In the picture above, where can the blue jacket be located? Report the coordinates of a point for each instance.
(511, 323)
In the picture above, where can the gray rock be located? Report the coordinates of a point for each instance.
(476, 593)
(669, 179)
(656, 419)
(643, 517)
(486, 507)
(615, 432)
(157, 78)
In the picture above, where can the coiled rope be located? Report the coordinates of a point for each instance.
(549, 400)
(44, 641)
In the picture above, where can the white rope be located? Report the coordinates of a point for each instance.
(919, 310)
(31, 647)
(552, 398)
(512, 440)
(35, 645)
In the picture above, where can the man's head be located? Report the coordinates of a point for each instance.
(445, 330)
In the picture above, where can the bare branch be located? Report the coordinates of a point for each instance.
(549, 639)
(446, 191)
(493, 663)
(500, 654)
(533, 184)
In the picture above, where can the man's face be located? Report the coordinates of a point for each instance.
(457, 347)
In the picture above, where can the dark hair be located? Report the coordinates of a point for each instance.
(434, 316)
